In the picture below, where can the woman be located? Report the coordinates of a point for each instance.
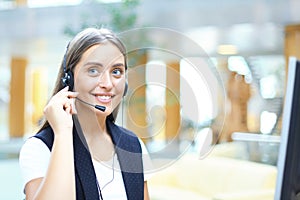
(78, 150)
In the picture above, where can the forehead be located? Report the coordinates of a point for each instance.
(104, 53)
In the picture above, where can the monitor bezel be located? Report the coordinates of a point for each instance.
(286, 165)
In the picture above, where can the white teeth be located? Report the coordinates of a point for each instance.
(104, 97)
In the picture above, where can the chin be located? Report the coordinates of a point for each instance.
(105, 113)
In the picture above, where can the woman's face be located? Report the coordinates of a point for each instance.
(99, 78)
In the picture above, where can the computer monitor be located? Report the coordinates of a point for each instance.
(288, 178)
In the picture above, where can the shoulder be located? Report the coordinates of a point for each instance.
(33, 146)
(129, 136)
(124, 138)
(45, 133)
(47, 136)
(33, 159)
(118, 131)
(128, 132)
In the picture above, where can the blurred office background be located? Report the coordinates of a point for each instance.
(244, 46)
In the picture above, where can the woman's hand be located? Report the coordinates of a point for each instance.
(59, 110)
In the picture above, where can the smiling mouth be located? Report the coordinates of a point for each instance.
(104, 98)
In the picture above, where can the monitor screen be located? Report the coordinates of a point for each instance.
(288, 178)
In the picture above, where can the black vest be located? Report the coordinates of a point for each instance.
(129, 154)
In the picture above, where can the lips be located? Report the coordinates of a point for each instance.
(104, 98)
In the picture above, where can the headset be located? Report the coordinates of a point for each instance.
(68, 80)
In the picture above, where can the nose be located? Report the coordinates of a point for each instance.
(105, 81)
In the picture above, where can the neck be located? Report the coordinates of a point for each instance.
(92, 122)
(98, 139)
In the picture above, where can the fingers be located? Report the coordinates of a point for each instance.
(59, 110)
(65, 92)
(68, 100)
(69, 106)
(62, 101)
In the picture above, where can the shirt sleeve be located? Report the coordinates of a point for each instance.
(34, 159)
(147, 163)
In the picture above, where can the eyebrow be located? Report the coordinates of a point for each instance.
(118, 65)
(99, 64)
(93, 63)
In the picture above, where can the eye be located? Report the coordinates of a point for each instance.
(93, 71)
(117, 72)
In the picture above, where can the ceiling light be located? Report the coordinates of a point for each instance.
(227, 49)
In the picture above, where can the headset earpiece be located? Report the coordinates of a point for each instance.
(68, 80)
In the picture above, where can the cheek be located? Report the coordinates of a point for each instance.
(119, 90)
(120, 86)
(84, 83)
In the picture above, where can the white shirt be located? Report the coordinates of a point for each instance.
(34, 159)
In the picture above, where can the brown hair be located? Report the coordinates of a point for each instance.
(76, 48)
